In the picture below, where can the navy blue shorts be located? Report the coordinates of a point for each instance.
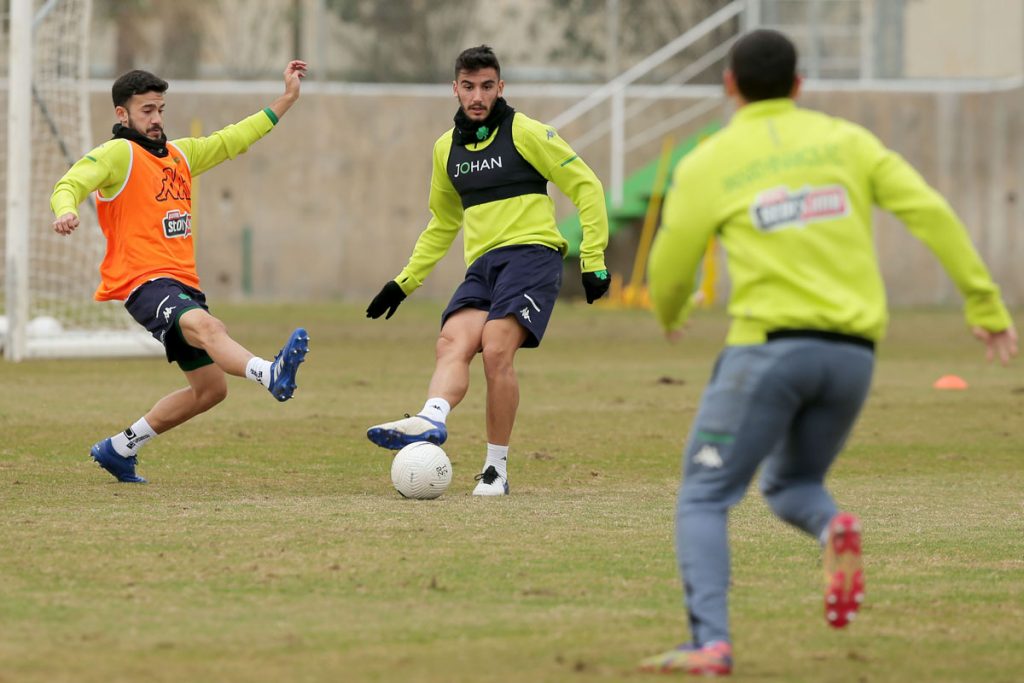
(157, 305)
(521, 280)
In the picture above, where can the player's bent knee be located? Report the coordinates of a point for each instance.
(449, 347)
(208, 397)
(497, 358)
(780, 504)
(201, 329)
(213, 328)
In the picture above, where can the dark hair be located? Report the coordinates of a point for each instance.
(135, 82)
(476, 58)
(764, 65)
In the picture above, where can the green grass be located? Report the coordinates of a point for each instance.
(270, 545)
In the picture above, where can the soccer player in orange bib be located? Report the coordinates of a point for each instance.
(143, 185)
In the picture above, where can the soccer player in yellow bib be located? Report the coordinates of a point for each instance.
(789, 193)
(490, 177)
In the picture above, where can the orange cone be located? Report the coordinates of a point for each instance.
(950, 382)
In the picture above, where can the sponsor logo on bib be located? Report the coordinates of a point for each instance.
(781, 208)
(177, 224)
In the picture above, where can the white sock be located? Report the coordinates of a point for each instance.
(498, 456)
(258, 370)
(436, 409)
(128, 442)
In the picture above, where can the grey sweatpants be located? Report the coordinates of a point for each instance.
(789, 404)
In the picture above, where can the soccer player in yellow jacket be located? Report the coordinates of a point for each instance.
(490, 176)
(789, 194)
(143, 185)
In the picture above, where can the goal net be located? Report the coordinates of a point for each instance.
(46, 304)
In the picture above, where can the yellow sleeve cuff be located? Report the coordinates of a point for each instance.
(408, 282)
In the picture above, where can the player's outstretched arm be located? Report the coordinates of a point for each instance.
(1001, 345)
(293, 75)
(205, 153)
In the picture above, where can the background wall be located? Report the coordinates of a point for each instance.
(957, 39)
(336, 195)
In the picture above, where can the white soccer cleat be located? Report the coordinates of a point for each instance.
(400, 433)
(491, 483)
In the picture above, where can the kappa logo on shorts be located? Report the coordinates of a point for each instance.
(779, 208)
(532, 302)
(167, 313)
(177, 224)
(525, 312)
(709, 457)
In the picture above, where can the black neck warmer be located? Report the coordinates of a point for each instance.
(468, 131)
(157, 148)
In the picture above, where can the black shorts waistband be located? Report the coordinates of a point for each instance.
(821, 334)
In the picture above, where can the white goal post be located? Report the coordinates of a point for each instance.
(46, 307)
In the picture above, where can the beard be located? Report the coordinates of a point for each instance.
(153, 133)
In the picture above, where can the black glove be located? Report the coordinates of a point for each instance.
(386, 300)
(595, 285)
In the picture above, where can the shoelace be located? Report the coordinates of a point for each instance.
(487, 476)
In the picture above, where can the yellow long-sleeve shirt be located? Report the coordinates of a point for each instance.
(106, 167)
(523, 219)
(145, 202)
(789, 193)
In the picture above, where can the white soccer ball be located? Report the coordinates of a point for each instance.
(44, 326)
(421, 470)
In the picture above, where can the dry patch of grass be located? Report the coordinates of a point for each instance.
(270, 546)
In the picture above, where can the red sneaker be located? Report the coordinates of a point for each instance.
(844, 573)
(713, 659)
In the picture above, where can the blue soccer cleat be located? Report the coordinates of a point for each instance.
(400, 433)
(286, 364)
(121, 467)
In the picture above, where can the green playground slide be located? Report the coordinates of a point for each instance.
(636, 193)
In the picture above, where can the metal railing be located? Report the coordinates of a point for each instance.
(615, 90)
(836, 39)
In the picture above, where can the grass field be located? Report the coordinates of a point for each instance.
(270, 546)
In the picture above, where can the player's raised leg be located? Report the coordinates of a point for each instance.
(459, 341)
(793, 479)
(203, 331)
